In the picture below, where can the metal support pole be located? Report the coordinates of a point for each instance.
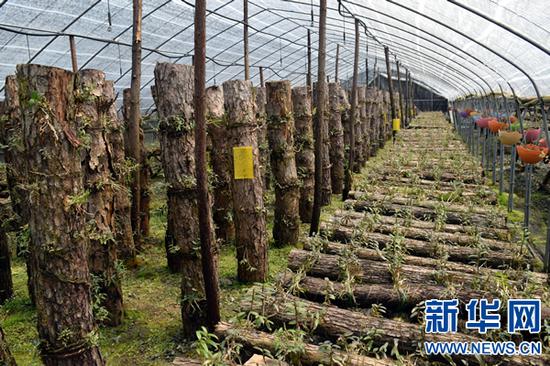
(336, 63)
(245, 40)
(308, 75)
(262, 83)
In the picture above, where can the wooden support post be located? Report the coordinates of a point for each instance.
(245, 40)
(246, 185)
(367, 62)
(209, 251)
(336, 152)
(320, 117)
(390, 88)
(135, 120)
(353, 117)
(359, 160)
(280, 131)
(336, 63)
(308, 75)
(263, 144)
(406, 115)
(73, 53)
(262, 82)
(303, 144)
(60, 239)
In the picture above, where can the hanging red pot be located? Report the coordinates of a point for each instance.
(483, 122)
(532, 135)
(531, 154)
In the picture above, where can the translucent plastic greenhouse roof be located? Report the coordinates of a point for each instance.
(445, 46)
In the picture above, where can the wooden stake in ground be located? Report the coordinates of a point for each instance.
(353, 117)
(92, 107)
(286, 227)
(174, 92)
(134, 151)
(336, 133)
(220, 159)
(246, 185)
(59, 244)
(6, 359)
(318, 131)
(303, 145)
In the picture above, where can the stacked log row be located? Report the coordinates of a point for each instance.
(220, 159)
(94, 98)
(336, 139)
(280, 130)
(303, 145)
(248, 202)
(174, 93)
(59, 245)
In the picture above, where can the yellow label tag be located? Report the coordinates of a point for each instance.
(385, 118)
(243, 161)
(396, 124)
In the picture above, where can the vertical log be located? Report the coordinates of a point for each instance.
(336, 62)
(401, 117)
(60, 242)
(358, 129)
(262, 83)
(209, 250)
(135, 119)
(286, 227)
(303, 144)
(248, 202)
(407, 96)
(345, 116)
(371, 122)
(174, 85)
(365, 128)
(6, 283)
(263, 144)
(6, 359)
(326, 188)
(390, 83)
(336, 139)
(72, 46)
(220, 158)
(353, 116)
(245, 40)
(91, 112)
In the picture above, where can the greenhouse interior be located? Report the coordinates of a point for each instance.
(277, 182)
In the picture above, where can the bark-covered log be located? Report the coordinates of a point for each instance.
(365, 126)
(6, 358)
(263, 144)
(60, 243)
(248, 202)
(369, 271)
(486, 232)
(280, 130)
(326, 186)
(93, 101)
(345, 115)
(175, 84)
(261, 360)
(312, 354)
(372, 122)
(376, 255)
(335, 322)
(6, 283)
(482, 191)
(220, 159)
(430, 234)
(427, 249)
(358, 129)
(426, 214)
(336, 138)
(303, 144)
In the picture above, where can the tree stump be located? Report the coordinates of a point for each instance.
(303, 145)
(336, 139)
(93, 101)
(248, 202)
(174, 91)
(60, 243)
(280, 129)
(220, 159)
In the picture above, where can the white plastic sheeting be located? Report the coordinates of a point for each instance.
(436, 55)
